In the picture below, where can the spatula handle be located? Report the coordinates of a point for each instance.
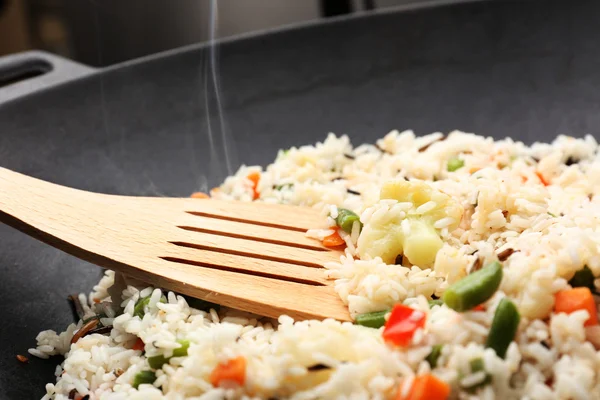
(36, 207)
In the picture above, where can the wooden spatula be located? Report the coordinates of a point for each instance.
(250, 256)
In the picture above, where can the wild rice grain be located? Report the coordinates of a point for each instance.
(503, 255)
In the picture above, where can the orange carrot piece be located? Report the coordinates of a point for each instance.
(254, 177)
(580, 298)
(542, 179)
(199, 195)
(427, 387)
(22, 358)
(138, 345)
(333, 240)
(233, 370)
(478, 308)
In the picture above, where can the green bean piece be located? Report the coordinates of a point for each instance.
(583, 278)
(345, 219)
(140, 305)
(143, 377)
(432, 358)
(156, 362)
(373, 319)
(139, 310)
(455, 163)
(183, 350)
(435, 302)
(475, 288)
(504, 327)
(281, 187)
(478, 365)
(98, 317)
(200, 304)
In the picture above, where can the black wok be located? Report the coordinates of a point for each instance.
(526, 69)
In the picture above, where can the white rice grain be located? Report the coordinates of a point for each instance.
(405, 227)
(38, 353)
(426, 207)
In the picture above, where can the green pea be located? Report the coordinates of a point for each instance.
(432, 358)
(346, 219)
(475, 288)
(455, 163)
(143, 377)
(504, 327)
(373, 319)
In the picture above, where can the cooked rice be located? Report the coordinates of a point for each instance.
(553, 232)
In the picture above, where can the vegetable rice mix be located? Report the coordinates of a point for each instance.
(471, 268)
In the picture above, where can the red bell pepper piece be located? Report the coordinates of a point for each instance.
(402, 324)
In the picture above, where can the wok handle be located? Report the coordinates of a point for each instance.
(28, 72)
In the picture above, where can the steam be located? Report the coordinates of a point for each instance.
(222, 151)
(223, 157)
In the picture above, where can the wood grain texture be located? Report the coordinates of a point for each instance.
(250, 256)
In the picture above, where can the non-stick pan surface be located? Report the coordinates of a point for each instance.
(529, 70)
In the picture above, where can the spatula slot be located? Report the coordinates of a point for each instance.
(299, 280)
(253, 238)
(246, 221)
(246, 254)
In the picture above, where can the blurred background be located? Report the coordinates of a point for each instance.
(104, 32)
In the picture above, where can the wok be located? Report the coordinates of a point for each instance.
(526, 69)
